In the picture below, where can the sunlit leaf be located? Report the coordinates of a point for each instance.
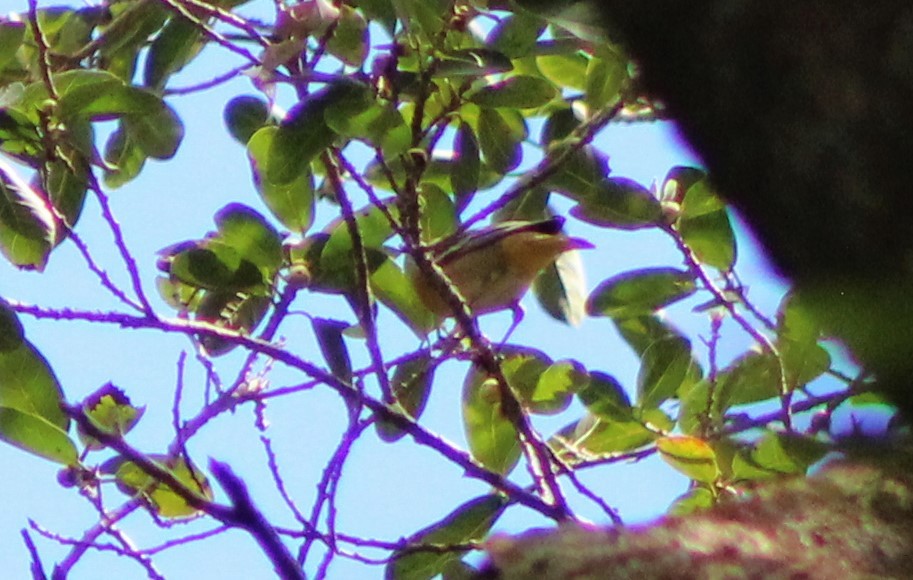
(164, 501)
(667, 366)
(690, 456)
(28, 384)
(28, 227)
(158, 131)
(519, 92)
(469, 522)
(556, 385)
(565, 70)
(778, 454)
(751, 378)
(36, 435)
(803, 358)
(605, 77)
(291, 202)
(11, 34)
(349, 42)
(110, 410)
(492, 437)
(705, 228)
(694, 500)
(592, 437)
(249, 234)
(471, 62)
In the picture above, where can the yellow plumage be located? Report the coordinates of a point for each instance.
(493, 268)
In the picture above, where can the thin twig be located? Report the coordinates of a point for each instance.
(121, 244)
(418, 433)
(363, 296)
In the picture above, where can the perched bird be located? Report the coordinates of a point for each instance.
(494, 267)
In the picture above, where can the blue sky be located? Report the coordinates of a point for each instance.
(388, 491)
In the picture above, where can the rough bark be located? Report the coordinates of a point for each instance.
(851, 521)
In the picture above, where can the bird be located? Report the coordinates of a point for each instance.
(493, 268)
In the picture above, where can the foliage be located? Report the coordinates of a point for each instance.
(412, 121)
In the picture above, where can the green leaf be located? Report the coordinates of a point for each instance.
(467, 164)
(524, 368)
(705, 228)
(559, 124)
(618, 203)
(337, 265)
(329, 335)
(304, 134)
(235, 311)
(694, 500)
(175, 46)
(699, 411)
(642, 331)
(561, 289)
(11, 35)
(217, 267)
(640, 292)
(66, 189)
(159, 497)
(248, 233)
(798, 331)
(11, 333)
(379, 124)
(438, 214)
(556, 387)
(471, 62)
(36, 435)
(499, 141)
(690, 456)
(749, 379)
(667, 367)
(28, 228)
(349, 42)
(396, 290)
(517, 92)
(469, 522)
(126, 157)
(492, 437)
(110, 410)
(565, 70)
(411, 386)
(244, 115)
(606, 75)
(605, 398)
(778, 454)
(292, 202)
(28, 384)
(516, 35)
(157, 131)
(592, 437)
